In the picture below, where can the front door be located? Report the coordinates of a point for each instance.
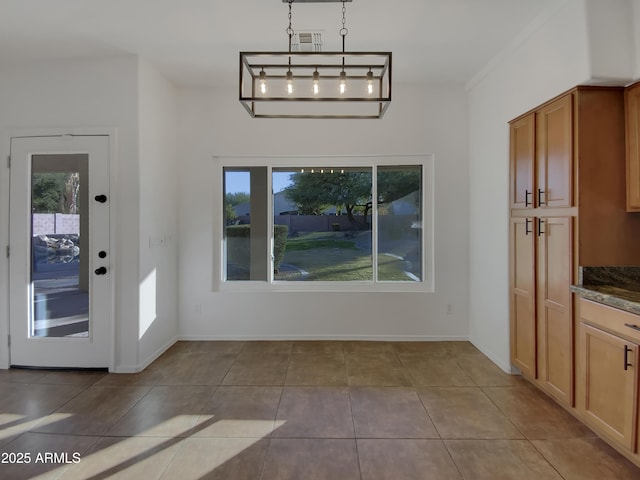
(59, 263)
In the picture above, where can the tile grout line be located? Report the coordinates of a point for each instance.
(525, 437)
(546, 460)
(355, 434)
(275, 419)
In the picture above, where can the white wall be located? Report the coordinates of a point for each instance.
(635, 18)
(565, 47)
(81, 93)
(158, 274)
(427, 119)
(610, 27)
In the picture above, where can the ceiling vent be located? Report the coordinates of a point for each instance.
(306, 42)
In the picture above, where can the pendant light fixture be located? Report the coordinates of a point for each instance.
(300, 84)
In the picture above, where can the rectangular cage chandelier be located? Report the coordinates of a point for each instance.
(329, 85)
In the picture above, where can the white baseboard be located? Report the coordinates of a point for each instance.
(505, 367)
(380, 338)
(147, 361)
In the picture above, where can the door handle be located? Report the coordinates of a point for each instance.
(540, 192)
(540, 231)
(101, 270)
(526, 226)
(626, 357)
(102, 254)
(526, 198)
(101, 198)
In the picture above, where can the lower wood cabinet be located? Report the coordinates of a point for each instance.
(554, 309)
(607, 374)
(609, 384)
(541, 302)
(523, 321)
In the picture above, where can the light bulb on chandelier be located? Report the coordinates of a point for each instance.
(263, 82)
(289, 82)
(370, 82)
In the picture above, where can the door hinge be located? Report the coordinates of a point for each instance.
(9, 340)
(8, 251)
(8, 161)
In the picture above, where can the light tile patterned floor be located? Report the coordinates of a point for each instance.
(296, 410)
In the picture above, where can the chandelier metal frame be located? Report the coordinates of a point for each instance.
(325, 85)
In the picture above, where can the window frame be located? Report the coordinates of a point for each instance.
(426, 284)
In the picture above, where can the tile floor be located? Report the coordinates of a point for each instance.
(296, 410)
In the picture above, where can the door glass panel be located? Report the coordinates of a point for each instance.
(59, 240)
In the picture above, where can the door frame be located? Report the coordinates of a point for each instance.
(5, 351)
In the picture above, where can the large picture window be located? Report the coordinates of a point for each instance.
(327, 222)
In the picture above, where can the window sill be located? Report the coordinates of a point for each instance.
(323, 287)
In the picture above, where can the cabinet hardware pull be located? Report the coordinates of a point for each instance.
(630, 325)
(526, 198)
(526, 227)
(626, 357)
(540, 202)
(540, 222)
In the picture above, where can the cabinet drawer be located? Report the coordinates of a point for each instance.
(610, 319)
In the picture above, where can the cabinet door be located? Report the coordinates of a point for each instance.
(554, 312)
(607, 366)
(632, 107)
(554, 152)
(522, 274)
(522, 137)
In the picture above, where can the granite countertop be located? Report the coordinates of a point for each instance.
(617, 287)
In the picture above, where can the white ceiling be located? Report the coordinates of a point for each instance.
(196, 42)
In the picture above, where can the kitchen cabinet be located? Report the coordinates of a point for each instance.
(541, 310)
(567, 208)
(522, 273)
(522, 133)
(554, 316)
(607, 374)
(541, 156)
(554, 135)
(632, 113)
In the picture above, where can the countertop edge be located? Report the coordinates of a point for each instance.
(598, 293)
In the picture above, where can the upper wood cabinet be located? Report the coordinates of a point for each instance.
(632, 110)
(554, 153)
(541, 156)
(522, 161)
